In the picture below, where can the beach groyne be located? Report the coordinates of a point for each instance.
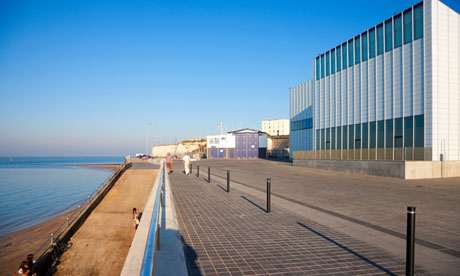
(52, 248)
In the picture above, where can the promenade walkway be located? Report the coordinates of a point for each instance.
(102, 243)
(231, 234)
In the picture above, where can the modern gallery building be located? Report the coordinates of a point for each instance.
(386, 100)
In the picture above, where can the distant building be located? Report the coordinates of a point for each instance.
(239, 144)
(276, 127)
(390, 93)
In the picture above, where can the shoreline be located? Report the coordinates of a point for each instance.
(112, 167)
(15, 246)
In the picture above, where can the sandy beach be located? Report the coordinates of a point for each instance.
(100, 166)
(15, 246)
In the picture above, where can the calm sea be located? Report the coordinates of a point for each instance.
(35, 189)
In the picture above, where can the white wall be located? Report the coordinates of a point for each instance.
(223, 141)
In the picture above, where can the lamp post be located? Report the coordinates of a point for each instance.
(147, 136)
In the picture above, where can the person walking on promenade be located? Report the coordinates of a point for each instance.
(187, 162)
(169, 162)
(135, 218)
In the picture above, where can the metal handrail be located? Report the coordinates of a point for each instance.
(153, 238)
(48, 243)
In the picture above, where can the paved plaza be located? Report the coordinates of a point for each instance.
(231, 234)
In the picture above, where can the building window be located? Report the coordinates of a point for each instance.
(350, 52)
(408, 132)
(344, 137)
(389, 133)
(344, 55)
(397, 31)
(317, 68)
(372, 131)
(333, 138)
(357, 136)
(380, 134)
(419, 131)
(364, 46)
(388, 35)
(365, 136)
(398, 133)
(332, 61)
(407, 17)
(418, 21)
(380, 39)
(357, 50)
(322, 66)
(327, 64)
(318, 136)
(339, 59)
(351, 139)
(372, 43)
(339, 138)
(328, 138)
(322, 139)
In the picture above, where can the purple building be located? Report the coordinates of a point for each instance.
(238, 144)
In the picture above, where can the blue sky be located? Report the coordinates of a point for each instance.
(84, 77)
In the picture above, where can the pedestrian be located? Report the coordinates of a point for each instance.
(187, 162)
(135, 218)
(169, 162)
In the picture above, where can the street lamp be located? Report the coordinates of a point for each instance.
(147, 136)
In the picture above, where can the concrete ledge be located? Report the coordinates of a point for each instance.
(397, 169)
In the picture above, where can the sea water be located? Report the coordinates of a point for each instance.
(35, 189)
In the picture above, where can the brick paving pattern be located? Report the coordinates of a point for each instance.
(230, 234)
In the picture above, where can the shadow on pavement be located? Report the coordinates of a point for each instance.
(348, 249)
(191, 257)
(253, 203)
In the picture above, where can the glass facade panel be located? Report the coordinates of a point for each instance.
(322, 66)
(344, 55)
(323, 140)
(328, 66)
(372, 43)
(357, 136)
(418, 21)
(344, 137)
(339, 59)
(408, 132)
(333, 138)
(318, 139)
(333, 61)
(419, 131)
(317, 68)
(398, 133)
(365, 136)
(350, 52)
(388, 35)
(380, 134)
(380, 39)
(397, 31)
(407, 17)
(328, 138)
(351, 139)
(357, 50)
(339, 138)
(364, 46)
(389, 133)
(372, 135)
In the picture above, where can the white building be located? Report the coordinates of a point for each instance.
(276, 127)
(389, 93)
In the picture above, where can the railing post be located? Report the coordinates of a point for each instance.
(209, 174)
(269, 184)
(197, 170)
(410, 244)
(228, 181)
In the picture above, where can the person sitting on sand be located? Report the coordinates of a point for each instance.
(23, 270)
(135, 218)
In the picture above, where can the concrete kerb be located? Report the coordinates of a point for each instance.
(427, 257)
(170, 257)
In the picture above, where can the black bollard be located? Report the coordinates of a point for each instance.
(209, 174)
(197, 170)
(191, 167)
(228, 181)
(410, 245)
(269, 184)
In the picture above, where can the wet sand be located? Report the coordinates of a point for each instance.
(15, 246)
